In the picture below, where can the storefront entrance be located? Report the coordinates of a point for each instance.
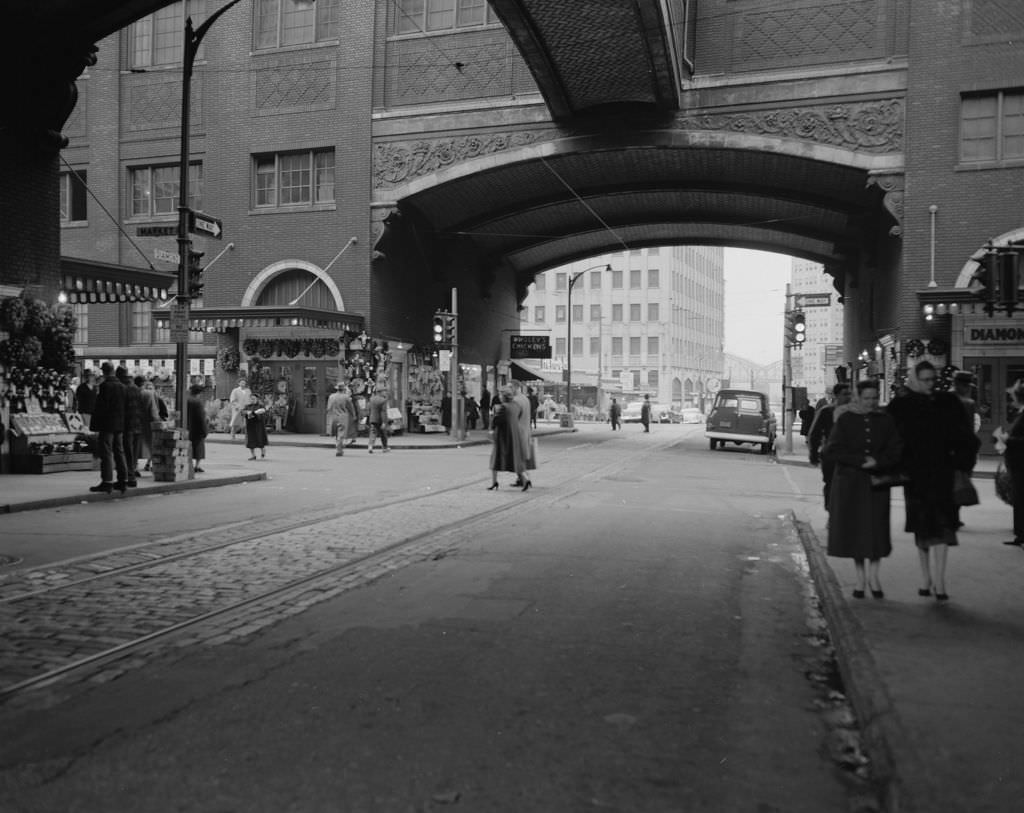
(994, 376)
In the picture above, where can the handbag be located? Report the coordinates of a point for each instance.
(964, 492)
(890, 479)
(1004, 484)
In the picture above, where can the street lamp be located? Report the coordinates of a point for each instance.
(568, 341)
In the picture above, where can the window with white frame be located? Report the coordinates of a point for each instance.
(617, 313)
(73, 197)
(424, 16)
(294, 178)
(81, 312)
(992, 127)
(560, 346)
(595, 345)
(156, 40)
(634, 345)
(652, 379)
(577, 313)
(616, 345)
(540, 282)
(634, 278)
(652, 345)
(652, 278)
(595, 313)
(280, 23)
(560, 281)
(577, 345)
(559, 313)
(653, 312)
(142, 323)
(595, 279)
(634, 313)
(155, 189)
(538, 313)
(616, 278)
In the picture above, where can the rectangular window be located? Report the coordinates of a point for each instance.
(992, 127)
(634, 313)
(73, 197)
(652, 278)
(595, 280)
(81, 324)
(538, 313)
(634, 278)
(560, 346)
(653, 312)
(156, 39)
(577, 313)
(421, 16)
(595, 345)
(652, 379)
(559, 313)
(595, 313)
(617, 313)
(155, 189)
(577, 345)
(560, 281)
(634, 345)
(616, 345)
(293, 179)
(653, 252)
(616, 279)
(141, 322)
(652, 345)
(540, 282)
(280, 23)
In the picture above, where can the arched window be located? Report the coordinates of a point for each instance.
(289, 284)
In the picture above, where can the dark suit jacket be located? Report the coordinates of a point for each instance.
(108, 411)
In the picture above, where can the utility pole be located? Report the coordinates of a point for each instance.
(458, 401)
(787, 377)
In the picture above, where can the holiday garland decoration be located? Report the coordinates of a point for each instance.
(228, 359)
(915, 348)
(937, 347)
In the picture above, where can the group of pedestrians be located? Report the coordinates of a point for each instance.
(122, 411)
(513, 448)
(920, 442)
(344, 418)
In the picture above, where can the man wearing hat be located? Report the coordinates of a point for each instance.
(108, 421)
(341, 413)
(963, 386)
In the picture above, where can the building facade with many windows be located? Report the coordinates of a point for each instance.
(813, 363)
(645, 321)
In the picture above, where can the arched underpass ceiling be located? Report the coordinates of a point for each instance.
(536, 214)
(604, 52)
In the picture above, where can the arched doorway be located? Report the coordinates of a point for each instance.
(688, 393)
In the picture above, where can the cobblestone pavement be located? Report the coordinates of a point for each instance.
(112, 612)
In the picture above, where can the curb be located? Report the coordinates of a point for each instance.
(802, 463)
(326, 443)
(161, 488)
(904, 783)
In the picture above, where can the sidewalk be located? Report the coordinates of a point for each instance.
(935, 685)
(31, 492)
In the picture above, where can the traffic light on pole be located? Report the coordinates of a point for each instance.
(799, 328)
(450, 330)
(439, 328)
(195, 274)
(789, 333)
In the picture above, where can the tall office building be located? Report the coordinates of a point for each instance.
(653, 324)
(814, 363)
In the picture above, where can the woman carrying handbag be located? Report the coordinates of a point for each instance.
(863, 444)
(1011, 445)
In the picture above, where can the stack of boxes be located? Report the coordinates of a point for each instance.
(172, 455)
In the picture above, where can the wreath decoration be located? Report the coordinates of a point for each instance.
(265, 348)
(229, 359)
(290, 348)
(937, 347)
(251, 347)
(915, 348)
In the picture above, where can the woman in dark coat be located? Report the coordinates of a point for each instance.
(507, 452)
(255, 415)
(863, 442)
(197, 428)
(1011, 444)
(936, 443)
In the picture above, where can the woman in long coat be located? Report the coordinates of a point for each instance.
(936, 443)
(863, 441)
(255, 415)
(507, 451)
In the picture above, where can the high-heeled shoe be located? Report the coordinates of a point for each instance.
(877, 593)
(492, 486)
(941, 596)
(527, 484)
(858, 594)
(924, 592)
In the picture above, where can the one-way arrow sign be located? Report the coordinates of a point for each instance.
(200, 223)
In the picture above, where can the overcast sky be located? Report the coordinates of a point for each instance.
(755, 293)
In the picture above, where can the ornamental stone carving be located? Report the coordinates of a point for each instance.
(891, 184)
(396, 163)
(864, 126)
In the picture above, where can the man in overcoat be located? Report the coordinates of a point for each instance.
(817, 437)
(108, 422)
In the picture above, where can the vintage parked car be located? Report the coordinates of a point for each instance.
(631, 412)
(741, 416)
(691, 415)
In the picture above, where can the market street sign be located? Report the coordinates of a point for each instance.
(812, 300)
(167, 256)
(198, 223)
(156, 231)
(530, 347)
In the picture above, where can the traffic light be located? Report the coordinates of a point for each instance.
(799, 328)
(450, 336)
(195, 274)
(439, 324)
(444, 329)
(789, 332)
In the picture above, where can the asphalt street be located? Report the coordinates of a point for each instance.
(632, 634)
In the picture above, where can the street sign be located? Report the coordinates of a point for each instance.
(812, 300)
(179, 321)
(167, 256)
(156, 231)
(198, 223)
(530, 347)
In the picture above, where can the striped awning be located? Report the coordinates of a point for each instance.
(217, 320)
(84, 281)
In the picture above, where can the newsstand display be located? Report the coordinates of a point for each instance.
(44, 443)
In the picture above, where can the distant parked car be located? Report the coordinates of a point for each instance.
(631, 412)
(661, 413)
(691, 415)
(741, 416)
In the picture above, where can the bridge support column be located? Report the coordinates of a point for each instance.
(38, 97)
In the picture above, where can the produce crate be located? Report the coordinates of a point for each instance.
(51, 463)
(172, 456)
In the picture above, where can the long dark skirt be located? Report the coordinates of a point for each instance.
(506, 451)
(858, 521)
(255, 432)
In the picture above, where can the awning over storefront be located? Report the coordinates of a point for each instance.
(257, 316)
(93, 281)
(523, 372)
